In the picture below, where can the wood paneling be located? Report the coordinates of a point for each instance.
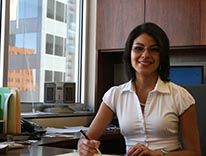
(203, 22)
(115, 19)
(181, 19)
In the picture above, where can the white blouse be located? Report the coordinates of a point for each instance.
(158, 127)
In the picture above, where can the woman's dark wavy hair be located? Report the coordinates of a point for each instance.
(162, 40)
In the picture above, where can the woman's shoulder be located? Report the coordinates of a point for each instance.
(176, 88)
(126, 86)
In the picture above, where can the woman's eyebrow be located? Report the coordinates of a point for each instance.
(141, 44)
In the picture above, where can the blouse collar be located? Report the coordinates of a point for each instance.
(160, 86)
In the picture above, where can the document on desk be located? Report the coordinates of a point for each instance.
(77, 154)
(67, 130)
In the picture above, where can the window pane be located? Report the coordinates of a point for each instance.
(49, 44)
(59, 46)
(26, 41)
(59, 11)
(48, 75)
(33, 35)
(29, 9)
(50, 9)
(58, 76)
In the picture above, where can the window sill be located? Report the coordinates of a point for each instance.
(31, 115)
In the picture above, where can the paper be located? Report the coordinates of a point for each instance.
(75, 129)
(77, 154)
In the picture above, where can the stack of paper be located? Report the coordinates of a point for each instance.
(66, 130)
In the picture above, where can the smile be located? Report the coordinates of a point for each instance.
(145, 62)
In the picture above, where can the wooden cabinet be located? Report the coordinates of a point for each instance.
(105, 74)
(181, 19)
(203, 23)
(115, 19)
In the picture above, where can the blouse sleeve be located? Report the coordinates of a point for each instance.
(185, 100)
(109, 98)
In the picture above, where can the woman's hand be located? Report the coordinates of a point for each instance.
(142, 150)
(87, 147)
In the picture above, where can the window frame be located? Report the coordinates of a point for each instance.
(4, 51)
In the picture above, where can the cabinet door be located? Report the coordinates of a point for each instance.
(203, 22)
(179, 18)
(115, 19)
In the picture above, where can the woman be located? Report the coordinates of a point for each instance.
(150, 109)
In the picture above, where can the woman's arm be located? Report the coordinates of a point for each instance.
(103, 117)
(190, 133)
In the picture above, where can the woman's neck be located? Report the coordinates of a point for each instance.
(145, 82)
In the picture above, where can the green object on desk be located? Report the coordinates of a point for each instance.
(3, 90)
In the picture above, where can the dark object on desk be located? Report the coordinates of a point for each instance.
(35, 131)
(113, 143)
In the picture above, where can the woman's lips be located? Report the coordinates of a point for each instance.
(145, 62)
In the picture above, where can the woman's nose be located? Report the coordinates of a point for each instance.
(145, 53)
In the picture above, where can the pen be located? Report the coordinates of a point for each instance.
(84, 134)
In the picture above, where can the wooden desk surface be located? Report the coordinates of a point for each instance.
(47, 146)
(34, 150)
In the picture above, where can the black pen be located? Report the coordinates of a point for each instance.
(84, 134)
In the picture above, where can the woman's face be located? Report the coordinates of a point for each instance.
(145, 56)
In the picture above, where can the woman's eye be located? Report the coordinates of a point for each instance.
(154, 49)
(138, 49)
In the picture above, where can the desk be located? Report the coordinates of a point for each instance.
(112, 143)
(34, 150)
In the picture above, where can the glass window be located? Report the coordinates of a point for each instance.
(48, 75)
(59, 46)
(27, 41)
(58, 76)
(50, 9)
(32, 36)
(27, 9)
(65, 14)
(59, 11)
(49, 44)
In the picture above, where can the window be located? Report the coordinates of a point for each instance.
(41, 49)
(50, 9)
(58, 76)
(48, 75)
(26, 9)
(27, 41)
(49, 44)
(60, 11)
(59, 49)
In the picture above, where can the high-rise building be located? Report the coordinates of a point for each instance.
(43, 37)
